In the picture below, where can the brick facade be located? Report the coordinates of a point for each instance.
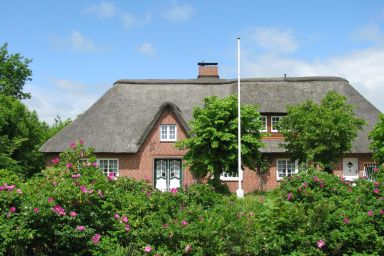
(140, 165)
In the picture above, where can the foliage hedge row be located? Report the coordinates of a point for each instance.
(71, 208)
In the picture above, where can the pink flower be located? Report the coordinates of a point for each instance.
(81, 142)
(96, 238)
(305, 185)
(80, 228)
(54, 183)
(124, 219)
(382, 212)
(147, 248)
(147, 179)
(36, 210)
(18, 191)
(127, 227)
(376, 191)
(94, 164)
(12, 209)
(376, 184)
(111, 176)
(73, 214)
(184, 223)
(59, 210)
(76, 176)
(370, 213)
(9, 188)
(50, 199)
(116, 216)
(85, 190)
(165, 225)
(346, 220)
(69, 165)
(72, 145)
(320, 244)
(316, 179)
(375, 169)
(173, 190)
(188, 248)
(289, 196)
(55, 160)
(322, 184)
(1, 188)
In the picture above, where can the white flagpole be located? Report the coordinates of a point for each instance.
(240, 191)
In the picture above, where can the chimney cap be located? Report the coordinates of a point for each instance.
(207, 63)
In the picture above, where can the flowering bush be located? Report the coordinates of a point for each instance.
(73, 209)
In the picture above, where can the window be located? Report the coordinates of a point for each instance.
(229, 177)
(369, 169)
(274, 121)
(264, 123)
(109, 166)
(168, 132)
(286, 168)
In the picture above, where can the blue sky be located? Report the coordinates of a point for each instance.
(79, 48)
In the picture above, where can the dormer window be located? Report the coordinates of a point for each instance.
(274, 121)
(168, 132)
(264, 123)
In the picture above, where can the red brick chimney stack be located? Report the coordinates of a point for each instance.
(208, 69)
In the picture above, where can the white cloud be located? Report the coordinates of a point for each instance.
(363, 69)
(370, 32)
(75, 41)
(130, 21)
(179, 13)
(102, 10)
(65, 98)
(80, 42)
(274, 40)
(147, 49)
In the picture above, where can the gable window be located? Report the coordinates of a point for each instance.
(286, 168)
(168, 132)
(264, 123)
(109, 166)
(274, 121)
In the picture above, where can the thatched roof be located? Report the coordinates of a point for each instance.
(120, 120)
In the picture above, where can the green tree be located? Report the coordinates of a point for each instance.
(57, 126)
(14, 72)
(377, 137)
(212, 145)
(320, 133)
(21, 135)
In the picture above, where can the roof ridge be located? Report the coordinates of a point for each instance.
(229, 81)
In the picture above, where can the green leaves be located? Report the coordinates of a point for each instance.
(212, 145)
(377, 137)
(320, 133)
(14, 73)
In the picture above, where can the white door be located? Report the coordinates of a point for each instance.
(167, 174)
(350, 168)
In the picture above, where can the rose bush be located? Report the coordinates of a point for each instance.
(71, 208)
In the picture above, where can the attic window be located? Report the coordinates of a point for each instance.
(274, 121)
(264, 123)
(168, 132)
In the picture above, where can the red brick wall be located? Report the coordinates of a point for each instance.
(141, 164)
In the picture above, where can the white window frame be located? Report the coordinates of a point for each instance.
(227, 177)
(108, 172)
(277, 168)
(272, 117)
(168, 129)
(266, 123)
